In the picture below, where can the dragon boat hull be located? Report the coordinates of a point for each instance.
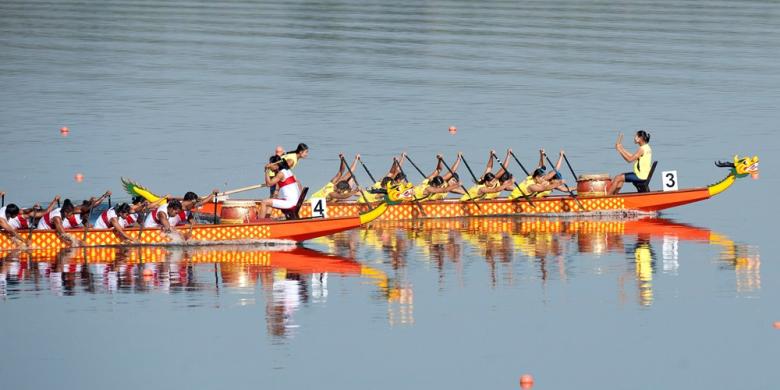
(554, 205)
(295, 231)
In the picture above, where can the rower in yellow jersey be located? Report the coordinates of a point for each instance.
(386, 180)
(490, 185)
(435, 186)
(342, 186)
(541, 183)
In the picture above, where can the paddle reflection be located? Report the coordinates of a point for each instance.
(555, 247)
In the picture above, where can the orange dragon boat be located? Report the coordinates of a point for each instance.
(293, 230)
(639, 202)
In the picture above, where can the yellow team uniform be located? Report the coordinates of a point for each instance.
(642, 166)
(324, 191)
(529, 181)
(473, 193)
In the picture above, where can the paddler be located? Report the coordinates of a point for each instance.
(13, 219)
(540, 183)
(488, 186)
(289, 188)
(377, 196)
(166, 217)
(112, 219)
(55, 220)
(300, 152)
(435, 186)
(342, 186)
(642, 159)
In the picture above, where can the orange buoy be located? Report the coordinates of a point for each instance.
(526, 381)
(776, 324)
(79, 178)
(64, 131)
(453, 130)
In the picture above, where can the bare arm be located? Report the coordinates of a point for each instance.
(504, 164)
(166, 225)
(99, 200)
(8, 228)
(541, 159)
(454, 167)
(337, 178)
(489, 165)
(118, 228)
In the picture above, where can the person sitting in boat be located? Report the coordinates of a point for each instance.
(642, 159)
(541, 183)
(372, 193)
(166, 217)
(137, 205)
(488, 186)
(289, 188)
(111, 219)
(13, 219)
(55, 220)
(278, 152)
(300, 152)
(342, 186)
(435, 186)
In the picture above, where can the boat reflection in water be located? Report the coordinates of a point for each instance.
(556, 247)
(288, 276)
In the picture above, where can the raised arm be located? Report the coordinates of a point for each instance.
(625, 153)
(99, 200)
(541, 159)
(504, 164)
(489, 165)
(454, 167)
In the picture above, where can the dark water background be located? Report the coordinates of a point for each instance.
(194, 95)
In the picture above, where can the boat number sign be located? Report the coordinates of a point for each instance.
(319, 208)
(670, 180)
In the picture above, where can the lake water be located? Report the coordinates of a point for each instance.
(192, 95)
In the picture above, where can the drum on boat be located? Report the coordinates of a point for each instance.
(239, 211)
(593, 184)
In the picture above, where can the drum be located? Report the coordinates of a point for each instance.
(239, 211)
(593, 185)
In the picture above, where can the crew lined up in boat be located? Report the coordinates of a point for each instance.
(69, 216)
(435, 186)
(13, 219)
(300, 152)
(490, 185)
(289, 189)
(342, 186)
(541, 183)
(642, 159)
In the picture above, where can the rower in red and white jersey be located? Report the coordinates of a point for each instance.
(289, 189)
(173, 214)
(54, 220)
(13, 219)
(111, 219)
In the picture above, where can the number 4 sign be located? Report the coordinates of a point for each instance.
(319, 208)
(670, 180)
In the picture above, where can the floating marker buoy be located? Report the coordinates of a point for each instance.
(776, 324)
(64, 131)
(526, 381)
(79, 178)
(453, 130)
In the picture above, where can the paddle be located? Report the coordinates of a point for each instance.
(566, 186)
(415, 166)
(473, 177)
(352, 174)
(527, 198)
(367, 171)
(414, 197)
(109, 201)
(461, 184)
(242, 189)
(519, 163)
(3, 203)
(570, 168)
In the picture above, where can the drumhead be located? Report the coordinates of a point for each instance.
(594, 176)
(239, 203)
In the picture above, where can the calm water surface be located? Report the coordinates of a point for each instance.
(192, 95)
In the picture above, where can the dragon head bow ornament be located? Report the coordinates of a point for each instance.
(741, 167)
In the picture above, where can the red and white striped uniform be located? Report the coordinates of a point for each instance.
(104, 220)
(152, 220)
(288, 191)
(46, 222)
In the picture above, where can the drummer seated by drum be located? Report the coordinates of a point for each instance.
(642, 161)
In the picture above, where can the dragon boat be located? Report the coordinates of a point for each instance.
(638, 202)
(297, 230)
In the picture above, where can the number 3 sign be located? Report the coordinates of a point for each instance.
(670, 180)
